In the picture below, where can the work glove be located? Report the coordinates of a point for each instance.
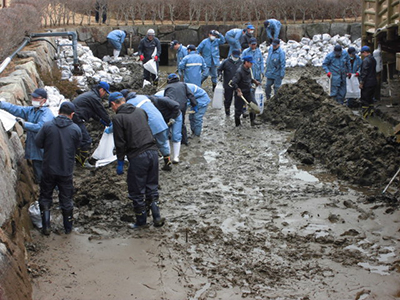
(195, 108)
(357, 74)
(141, 57)
(171, 122)
(156, 58)
(348, 75)
(329, 74)
(20, 122)
(103, 122)
(120, 167)
(109, 129)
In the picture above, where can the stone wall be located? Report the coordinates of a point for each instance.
(17, 189)
(96, 37)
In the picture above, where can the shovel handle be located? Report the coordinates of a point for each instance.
(244, 99)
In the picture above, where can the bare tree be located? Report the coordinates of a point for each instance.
(354, 9)
(160, 9)
(142, 9)
(132, 11)
(172, 6)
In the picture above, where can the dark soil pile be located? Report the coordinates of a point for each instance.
(349, 146)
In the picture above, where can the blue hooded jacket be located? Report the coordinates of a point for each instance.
(356, 67)
(200, 95)
(34, 120)
(210, 50)
(192, 66)
(274, 25)
(258, 66)
(338, 66)
(276, 63)
(155, 118)
(118, 36)
(233, 37)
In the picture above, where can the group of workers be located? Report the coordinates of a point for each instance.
(341, 64)
(145, 124)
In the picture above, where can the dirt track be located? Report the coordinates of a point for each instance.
(244, 221)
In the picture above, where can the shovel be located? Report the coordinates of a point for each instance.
(390, 182)
(252, 106)
(130, 49)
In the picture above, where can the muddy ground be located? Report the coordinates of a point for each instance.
(244, 220)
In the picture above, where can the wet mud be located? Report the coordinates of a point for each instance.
(245, 218)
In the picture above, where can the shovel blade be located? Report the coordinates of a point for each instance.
(254, 107)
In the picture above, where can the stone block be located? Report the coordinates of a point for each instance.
(317, 28)
(164, 29)
(355, 31)
(225, 28)
(187, 36)
(295, 32)
(84, 34)
(30, 68)
(181, 27)
(339, 28)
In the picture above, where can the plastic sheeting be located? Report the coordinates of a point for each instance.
(7, 119)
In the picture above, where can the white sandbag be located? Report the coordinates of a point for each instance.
(7, 119)
(34, 213)
(326, 37)
(151, 66)
(352, 86)
(260, 98)
(105, 148)
(218, 98)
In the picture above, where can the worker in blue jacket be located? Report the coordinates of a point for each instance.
(233, 39)
(196, 118)
(158, 126)
(272, 28)
(258, 65)
(209, 49)
(337, 66)
(355, 67)
(276, 63)
(181, 52)
(116, 38)
(192, 66)
(32, 118)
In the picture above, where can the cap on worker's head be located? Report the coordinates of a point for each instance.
(236, 53)
(266, 23)
(114, 96)
(67, 108)
(191, 47)
(276, 42)
(172, 76)
(173, 43)
(151, 32)
(337, 48)
(104, 85)
(39, 93)
(212, 32)
(365, 49)
(124, 92)
(351, 50)
(253, 41)
(248, 58)
(250, 26)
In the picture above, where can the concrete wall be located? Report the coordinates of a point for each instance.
(17, 189)
(96, 37)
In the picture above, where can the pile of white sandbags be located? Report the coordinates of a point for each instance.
(92, 67)
(311, 52)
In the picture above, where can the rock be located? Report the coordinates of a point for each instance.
(163, 29)
(295, 32)
(339, 29)
(355, 31)
(84, 34)
(187, 36)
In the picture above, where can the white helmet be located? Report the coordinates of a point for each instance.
(151, 32)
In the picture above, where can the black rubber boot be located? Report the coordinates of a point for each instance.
(155, 211)
(227, 112)
(237, 122)
(45, 213)
(167, 164)
(68, 218)
(141, 221)
(214, 85)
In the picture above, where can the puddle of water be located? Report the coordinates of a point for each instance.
(384, 127)
(354, 247)
(381, 270)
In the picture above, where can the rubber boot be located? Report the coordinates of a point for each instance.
(155, 211)
(227, 112)
(214, 85)
(167, 163)
(141, 221)
(176, 146)
(45, 213)
(237, 122)
(116, 53)
(68, 220)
